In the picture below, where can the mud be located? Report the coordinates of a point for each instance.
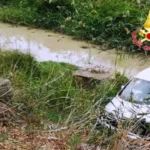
(46, 45)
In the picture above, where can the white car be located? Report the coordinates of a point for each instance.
(132, 101)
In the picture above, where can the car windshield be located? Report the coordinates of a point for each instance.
(137, 91)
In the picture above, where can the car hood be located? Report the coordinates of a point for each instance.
(124, 109)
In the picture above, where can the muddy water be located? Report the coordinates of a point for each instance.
(48, 46)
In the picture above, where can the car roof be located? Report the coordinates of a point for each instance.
(144, 75)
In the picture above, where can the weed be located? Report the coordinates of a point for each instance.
(47, 88)
(75, 140)
(3, 136)
(44, 91)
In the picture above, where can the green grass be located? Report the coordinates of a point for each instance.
(104, 22)
(47, 90)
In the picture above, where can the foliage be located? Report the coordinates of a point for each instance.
(46, 90)
(102, 22)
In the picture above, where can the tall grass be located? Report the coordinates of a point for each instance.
(46, 91)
